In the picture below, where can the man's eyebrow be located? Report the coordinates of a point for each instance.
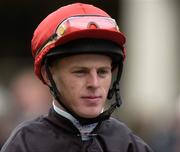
(85, 67)
(108, 67)
(79, 67)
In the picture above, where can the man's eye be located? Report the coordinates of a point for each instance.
(103, 72)
(80, 72)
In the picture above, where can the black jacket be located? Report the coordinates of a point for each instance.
(54, 133)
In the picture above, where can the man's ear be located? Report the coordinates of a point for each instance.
(45, 76)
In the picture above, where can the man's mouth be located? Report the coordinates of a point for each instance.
(92, 99)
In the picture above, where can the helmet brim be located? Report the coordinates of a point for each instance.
(105, 34)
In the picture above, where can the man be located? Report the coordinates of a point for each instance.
(76, 50)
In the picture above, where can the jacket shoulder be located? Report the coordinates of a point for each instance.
(123, 136)
(17, 141)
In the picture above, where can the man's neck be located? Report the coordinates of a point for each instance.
(84, 130)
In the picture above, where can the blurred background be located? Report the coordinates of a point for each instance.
(150, 85)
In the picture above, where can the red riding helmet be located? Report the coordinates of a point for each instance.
(71, 22)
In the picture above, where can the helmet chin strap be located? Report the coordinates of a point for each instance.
(104, 115)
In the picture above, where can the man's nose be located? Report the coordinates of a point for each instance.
(93, 79)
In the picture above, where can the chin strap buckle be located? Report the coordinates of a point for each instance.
(117, 95)
(115, 89)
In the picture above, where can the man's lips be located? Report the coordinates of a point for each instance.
(92, 99)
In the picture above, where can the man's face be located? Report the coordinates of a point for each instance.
(83, 82)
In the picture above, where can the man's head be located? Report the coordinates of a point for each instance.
(83, 82)
(87, 38)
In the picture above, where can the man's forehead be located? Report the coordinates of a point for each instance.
(86, 59)
(89, 56)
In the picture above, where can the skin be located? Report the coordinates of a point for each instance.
(83, 82)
